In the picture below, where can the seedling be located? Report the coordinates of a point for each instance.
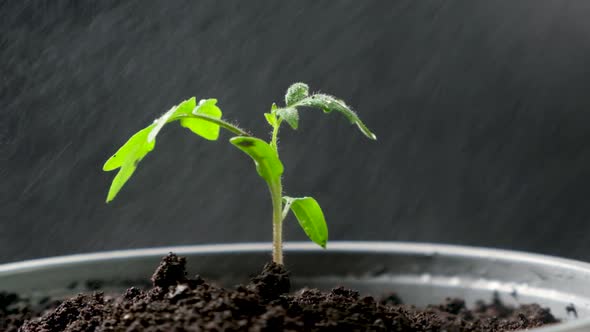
(204, 119)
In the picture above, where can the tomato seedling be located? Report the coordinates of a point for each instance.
(204, 119)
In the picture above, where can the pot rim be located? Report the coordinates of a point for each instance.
(338, 246)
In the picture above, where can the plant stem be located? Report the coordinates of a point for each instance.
(276, 193)
(226, 125)
(275, 135)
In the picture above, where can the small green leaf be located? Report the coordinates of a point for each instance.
(268, 164)
(328, 104)
(273, 108)
(271, 119)
(295, 93)
(289, 114)
(203, 128)
(311, 218)
(127, 158)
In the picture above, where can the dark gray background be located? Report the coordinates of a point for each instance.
(481, 108)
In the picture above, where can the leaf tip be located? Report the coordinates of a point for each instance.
(113, 191)
(365, 130)
(106, 167)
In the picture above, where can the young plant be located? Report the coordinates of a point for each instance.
(204, 119)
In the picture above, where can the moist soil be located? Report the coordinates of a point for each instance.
(177, 303)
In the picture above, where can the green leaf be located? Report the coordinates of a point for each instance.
(311, 218)
(289, 114)
(138, 146)
(127, 158)
(328, 104)
(295, 93)
(268, 164)
(204, 128)
(271, 119)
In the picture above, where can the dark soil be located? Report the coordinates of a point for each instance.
(178, 303)
(14, 310)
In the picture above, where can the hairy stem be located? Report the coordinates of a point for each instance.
(275, 135)
(276, 193)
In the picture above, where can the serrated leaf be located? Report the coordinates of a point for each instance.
(268, 164)
(289, 114)
(271, 119)
(328, 104)
(295, 93)
(139, 145)
(310, 217)
(203, 128)
(127, 158)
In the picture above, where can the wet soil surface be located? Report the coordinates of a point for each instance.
(178, 303)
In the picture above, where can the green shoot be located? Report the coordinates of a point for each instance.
(204, 119)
